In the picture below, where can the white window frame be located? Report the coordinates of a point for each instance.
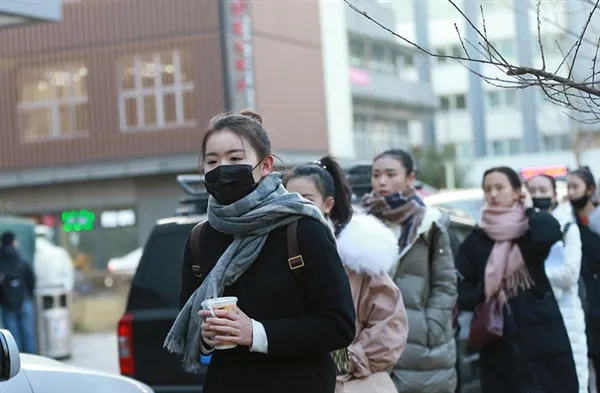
(370, 141)
(178, 88)
(53, 104)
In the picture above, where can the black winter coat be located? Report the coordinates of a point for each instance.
(590, 274)
(534, 355)
(302, 326)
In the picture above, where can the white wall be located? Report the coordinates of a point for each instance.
(334, 39)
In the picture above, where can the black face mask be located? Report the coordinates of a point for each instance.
(230, 183)
(580, 203)
(542, 203)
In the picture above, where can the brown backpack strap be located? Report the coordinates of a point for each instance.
(296, 262)
(295, 259)
(195, 249)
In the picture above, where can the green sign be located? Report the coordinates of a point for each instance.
(78, 220)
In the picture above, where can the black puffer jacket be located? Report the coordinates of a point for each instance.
(534, 356)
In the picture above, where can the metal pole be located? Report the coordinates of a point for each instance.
(475, 94)
(531, 135)
(423, 63)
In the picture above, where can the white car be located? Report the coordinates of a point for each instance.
(126, 264)
(22, 373)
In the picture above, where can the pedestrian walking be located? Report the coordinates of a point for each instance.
(425, 274)
(503, 279)
(581, 187)
(563, 267)
(369, 250)
(17, 284)
(274, 253)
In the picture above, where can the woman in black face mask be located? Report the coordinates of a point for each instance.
(581, 188)
(563, 266)
(292, 310)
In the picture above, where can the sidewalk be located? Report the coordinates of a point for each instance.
(95, 351)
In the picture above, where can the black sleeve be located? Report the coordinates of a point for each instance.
(470, 287)
(189, 283)
(29, 276)
(544, 229)
(329, 322)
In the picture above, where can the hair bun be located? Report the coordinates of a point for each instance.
(251, 114)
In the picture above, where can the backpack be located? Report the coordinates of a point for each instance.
(12, 286)
(295, 261)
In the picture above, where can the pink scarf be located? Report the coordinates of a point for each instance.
(505, 271)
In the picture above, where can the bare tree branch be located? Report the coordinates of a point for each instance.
(574, 95)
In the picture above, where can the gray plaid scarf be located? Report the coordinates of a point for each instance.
(249, 221)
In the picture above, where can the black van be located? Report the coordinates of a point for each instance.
(153, 303)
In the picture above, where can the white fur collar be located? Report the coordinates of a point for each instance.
(431, 216)
(366, 245)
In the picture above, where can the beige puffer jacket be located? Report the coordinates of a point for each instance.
(427, 279)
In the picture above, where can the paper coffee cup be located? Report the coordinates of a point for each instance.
(222, 303)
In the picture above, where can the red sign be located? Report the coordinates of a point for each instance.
(556, 171)
(359, 77)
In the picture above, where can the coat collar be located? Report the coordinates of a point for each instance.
(367, 246)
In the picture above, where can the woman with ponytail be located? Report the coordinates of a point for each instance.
(368, 251)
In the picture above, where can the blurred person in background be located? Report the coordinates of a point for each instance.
(368, 250)
(501, 263)
(563, 267)
(581, 188)
(52, 264)
(17, 283)
(424, 273)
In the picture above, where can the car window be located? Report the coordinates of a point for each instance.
(472, 207)
(158, 278)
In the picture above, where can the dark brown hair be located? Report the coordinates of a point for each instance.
(402, 156)
(247, 124)
(330, 179)
(513, 177)
(585, 174)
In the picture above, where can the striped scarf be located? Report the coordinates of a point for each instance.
(405, 209)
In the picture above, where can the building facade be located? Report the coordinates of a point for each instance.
(376, 99)
(487, 124)
(100, 111)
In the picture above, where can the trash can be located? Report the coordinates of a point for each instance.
(54, 324)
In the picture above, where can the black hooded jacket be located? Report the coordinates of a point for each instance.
(11, 259)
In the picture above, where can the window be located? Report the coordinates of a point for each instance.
(372, 136)
(510, 97)
(357, 53)
(557, 142)
(53, 102)
(500, 98)
(444, 103)
(453, 102)
(457, 51)
(461, 101)
(514, 146)
(505, 147)
(378, 58)
(498, 148)
(441, 52)
(464, 151)
(493, 98)
(506, 48)
(156, 91)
